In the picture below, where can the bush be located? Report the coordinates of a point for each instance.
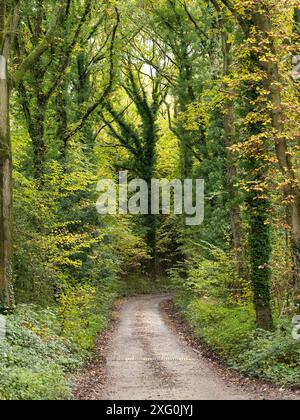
(84, 311)
(48, 383)
(141, 284)
(273, 356)
(223, 328)
(228, 326)
(45, 347)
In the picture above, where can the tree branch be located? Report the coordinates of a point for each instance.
(41, 47)
(69, 51)
(235, 13)
(108, 88)
(194, 22)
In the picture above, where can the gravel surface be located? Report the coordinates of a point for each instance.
(148, 354)
(148, 360)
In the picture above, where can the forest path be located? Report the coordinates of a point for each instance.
(147, 359)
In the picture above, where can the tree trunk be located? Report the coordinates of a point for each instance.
(260, 250)
(62, 124)
(147, 172)
(38, 141)
(229, 140)
(234, 207)
(185, 98)
(255, 162)
(83, 94)
(5, 190)
(35, 120)
(291, 189)
(257, 199)
(293, 212)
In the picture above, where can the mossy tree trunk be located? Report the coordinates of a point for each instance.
(9, 19)
(258, 203)
(5, 189)
(259, 207)
(260, 246)
(9, 23)
(232, 175)
(273, 83)
(256, 166)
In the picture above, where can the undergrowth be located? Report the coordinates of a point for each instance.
(226, 324)
(45, 347)
(143, 284)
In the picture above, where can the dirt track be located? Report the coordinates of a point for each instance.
(148, 360)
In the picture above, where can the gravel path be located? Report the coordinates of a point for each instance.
(148, 360)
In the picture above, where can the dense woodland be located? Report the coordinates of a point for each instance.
(176, 89)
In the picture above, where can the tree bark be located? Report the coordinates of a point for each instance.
(5, 190)
(260, 251)
(229, 140)
(257, 200)
(62, 127)
(10, 15)
(291, 189)
(185, 98)
(38, 140)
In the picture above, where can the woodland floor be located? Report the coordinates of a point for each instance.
(147, 354)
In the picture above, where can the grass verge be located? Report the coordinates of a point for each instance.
(229, 331)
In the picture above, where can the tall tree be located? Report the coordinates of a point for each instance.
(140, 141)
(46, 75)
(256, 165)
(230, 139)
(259, 18)
(269, 61)
(9, 23)
(9, 16)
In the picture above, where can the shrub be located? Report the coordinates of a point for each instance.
(272, 356)
(45, 347)
(222, 328)
(47, 383)
(227, 326)
(84, 311)
(142, 284)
